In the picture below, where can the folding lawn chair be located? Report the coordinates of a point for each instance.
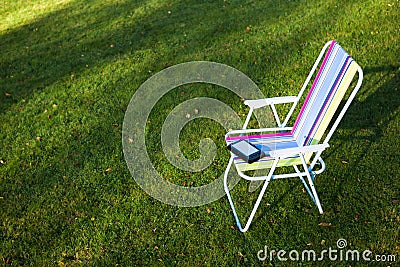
(302, 144)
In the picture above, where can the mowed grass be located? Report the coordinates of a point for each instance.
(68, 70)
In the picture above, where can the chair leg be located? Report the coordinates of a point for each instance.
(312, 187)
(304, 183)
(267, 180)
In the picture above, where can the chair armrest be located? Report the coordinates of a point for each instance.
(258, 103)
(246, 131)
(281, 153)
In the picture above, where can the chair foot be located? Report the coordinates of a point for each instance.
(258, 201)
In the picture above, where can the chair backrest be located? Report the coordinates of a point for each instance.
(336, 72)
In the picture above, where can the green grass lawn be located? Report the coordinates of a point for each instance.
(68, 70)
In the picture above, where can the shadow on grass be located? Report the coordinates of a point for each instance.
(380, 107)
(366, 127)
(87, 34)
(367, 120)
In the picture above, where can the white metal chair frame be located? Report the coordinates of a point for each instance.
(277, 155)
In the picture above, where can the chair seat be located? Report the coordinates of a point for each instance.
(267, 143)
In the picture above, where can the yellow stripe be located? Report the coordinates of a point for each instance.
(267, 164)
(336, 101)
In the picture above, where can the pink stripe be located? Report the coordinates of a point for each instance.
(313, 86)
(257, 136)
(329, 98)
